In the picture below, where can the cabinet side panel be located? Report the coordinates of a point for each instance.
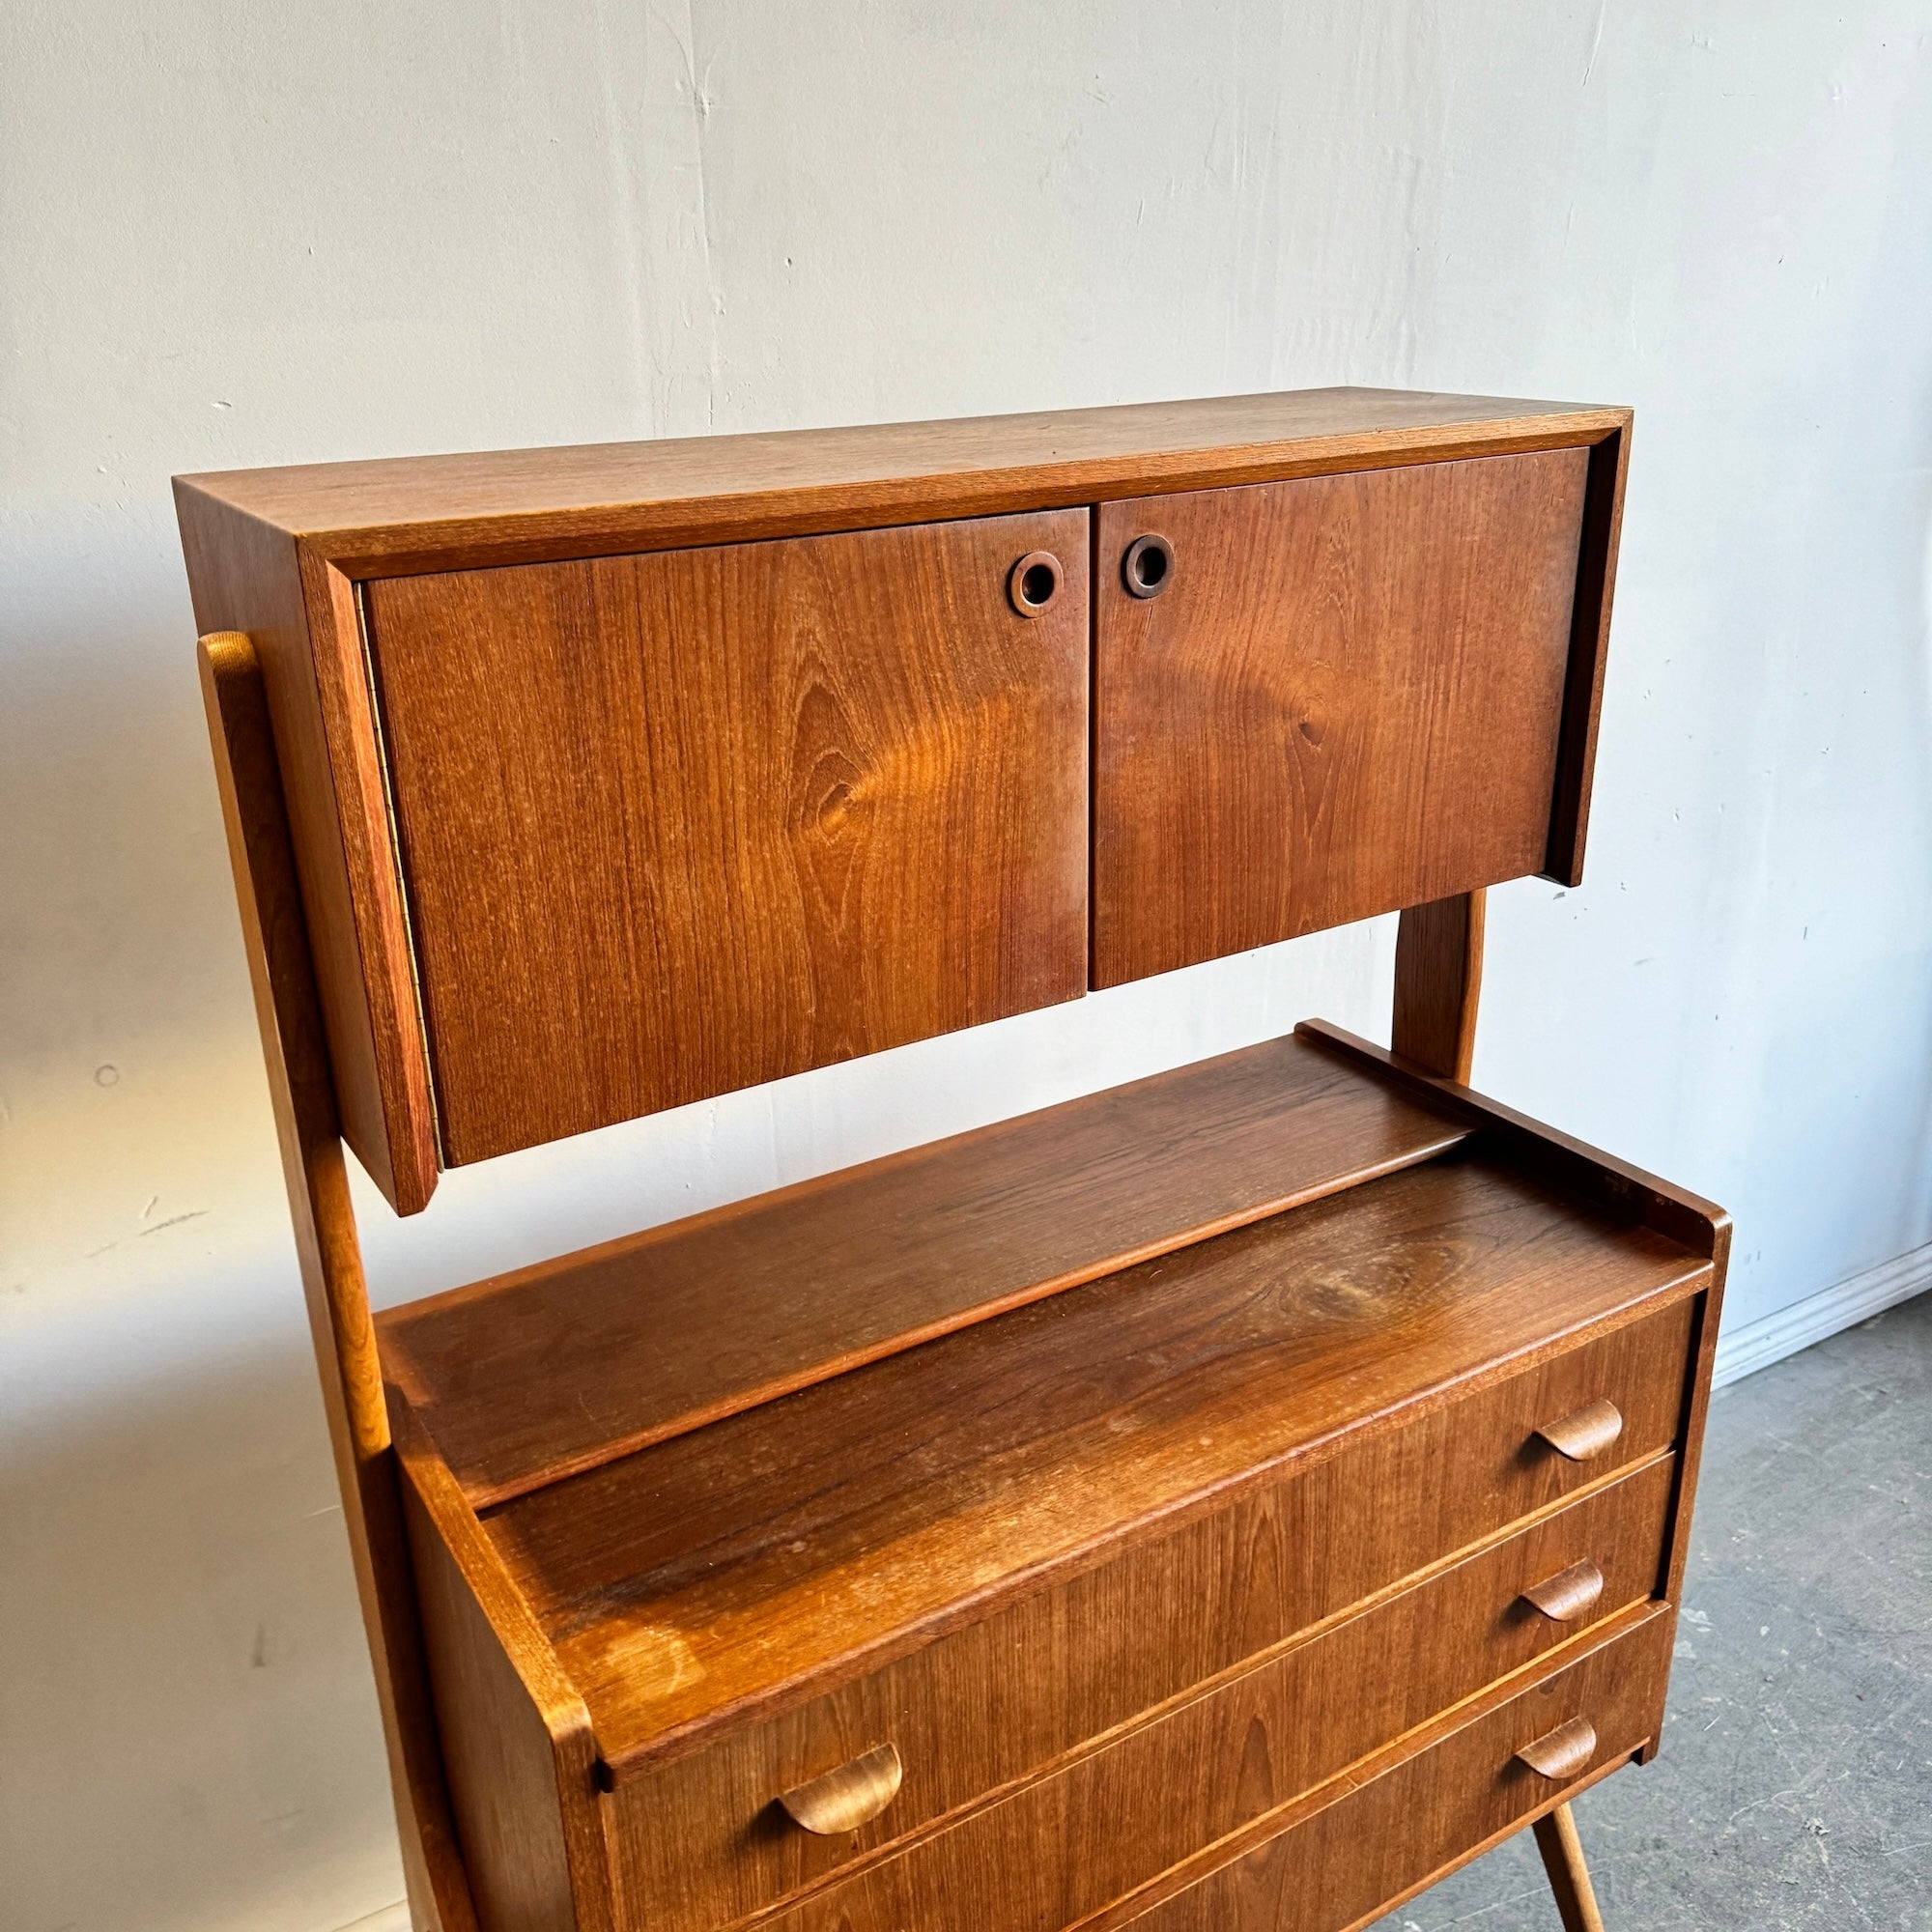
(680, 823)
(1589, 648)
(350, 724)
(246, 576)
(1344, 697)
(497, 1751)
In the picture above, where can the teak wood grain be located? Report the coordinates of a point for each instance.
(1069, 1845)
(720, 1574)
(514, 1812)
(295, 1058)
(1347, 698)
(1569, 1163)
(1589, 655)
(1439, 981)
(543, 1373)
(1145, 1781)
(517, 1742)
(250, 579)
(1337, 1859)
(681, 823)
(568, 785)
(1562, 1849)
(296, 559)
(398, 516)
(986, 1705)
(1673, 1212)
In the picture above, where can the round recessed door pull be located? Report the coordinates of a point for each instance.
(1587, 1432)
(1563, 1752)
(1034, 581)
(1564, 1597)
(1148, 568)
(840, 1800)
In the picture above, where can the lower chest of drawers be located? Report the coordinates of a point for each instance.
(1065, 1748)
(1111, 1581)
(1221, 1762)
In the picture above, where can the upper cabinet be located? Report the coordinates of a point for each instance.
(673, 824)
(1321, 699)
(622, 777)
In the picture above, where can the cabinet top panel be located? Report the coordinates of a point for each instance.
(399, 515)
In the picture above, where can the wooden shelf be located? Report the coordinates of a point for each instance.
(530, 1377)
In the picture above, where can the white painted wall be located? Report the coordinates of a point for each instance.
(255, 233)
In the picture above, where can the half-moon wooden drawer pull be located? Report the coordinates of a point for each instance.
(1562, 1752)
(842, 1800)
(1568, 1594)
(1588, 1432)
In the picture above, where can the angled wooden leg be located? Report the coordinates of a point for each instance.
(324, 1222)
(1569, 1876)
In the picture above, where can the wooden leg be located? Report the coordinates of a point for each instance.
(324, 1221)
(1569, 1876)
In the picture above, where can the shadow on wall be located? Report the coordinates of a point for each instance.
(187, 1712)
(116, 882)
(189, 1595)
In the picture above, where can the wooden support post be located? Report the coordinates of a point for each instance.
(1438, 977)
(1569, 1876)
(306, 1124)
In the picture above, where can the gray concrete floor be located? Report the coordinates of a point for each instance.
(1795, 1785)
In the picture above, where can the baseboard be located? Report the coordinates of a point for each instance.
(1742, 1350)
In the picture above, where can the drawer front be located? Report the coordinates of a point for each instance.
(675, 824)
(701, 1842)
(1385, 1840)
(1344, 697)
(1075, 1841)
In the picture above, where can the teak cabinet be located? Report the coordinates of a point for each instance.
(1343, 697)
(1228, 1500)
(677, 823)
